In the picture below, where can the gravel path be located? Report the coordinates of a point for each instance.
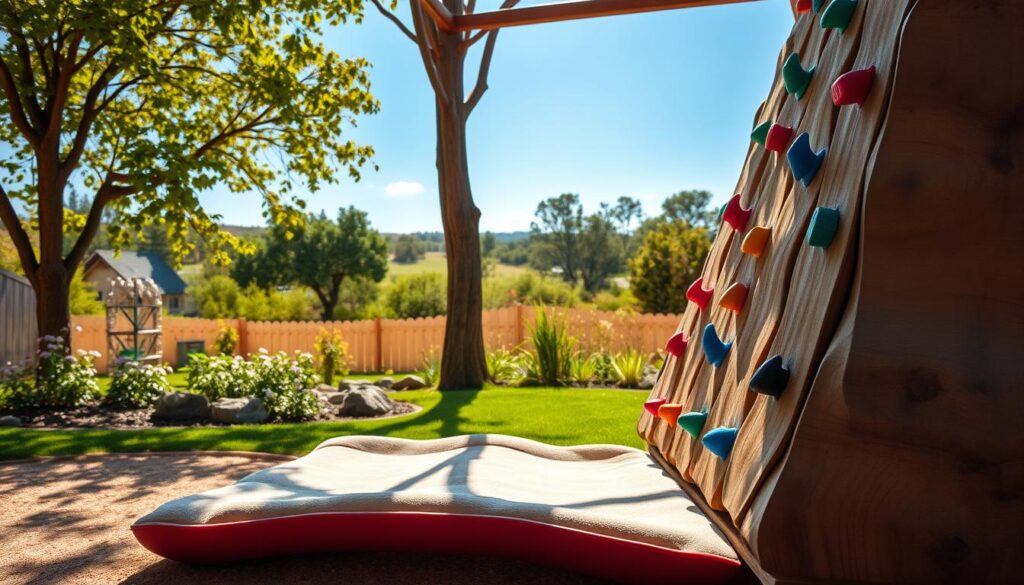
(65, 520)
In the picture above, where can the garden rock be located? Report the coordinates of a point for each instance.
(336, 398)
(385, 383)
(235, 411)
(649, 379)
(347, 384)
(409, 383)
(10, 421)
(365, 401)
(181, 406)
(325, 389)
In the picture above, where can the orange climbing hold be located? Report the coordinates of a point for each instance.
(670, 413)
(756, 240)
(736, 216)
(735, 297)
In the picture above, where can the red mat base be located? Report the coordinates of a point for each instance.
(601, 556)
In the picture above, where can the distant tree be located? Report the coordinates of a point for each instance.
(514, 253)
(416, 295)
(217, 296)
(407, 249)
(555, 236)
(488, 244)
(691, 207)
(601, 254)
(151, 103)
(83, 297)
(667, 262)
(355, 298)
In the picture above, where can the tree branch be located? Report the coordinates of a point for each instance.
(22, 243)
(426, 53)
(17, 110)
(394, 18)
(485, 67)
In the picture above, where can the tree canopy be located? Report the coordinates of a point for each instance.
(667, 262)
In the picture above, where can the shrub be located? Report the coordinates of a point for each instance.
(669, 259)
(16, 388)
(227, 339)
(416, 295)
(528, 288)
(63, 380)
(136, 385)
(283, 383)
(553, 348)
(504, 366)
(629, 367)
(431, 371)
(217, 377)
(333, 354)
(407, 249)
(604, 367)
(582, 368)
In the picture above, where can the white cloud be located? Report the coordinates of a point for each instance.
(403, 189)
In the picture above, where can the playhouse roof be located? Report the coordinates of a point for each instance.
(141, 265)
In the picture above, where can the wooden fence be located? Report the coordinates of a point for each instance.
(17, 318)
(395, 344)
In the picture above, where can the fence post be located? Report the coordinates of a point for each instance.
(243, 336)
(378, 362)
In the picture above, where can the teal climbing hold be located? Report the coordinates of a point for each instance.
(823, 228)
(714, 349)
(720, 441)
(693, 422)
(760, 134)
(816, 6)
(796, 77)
(838, 14)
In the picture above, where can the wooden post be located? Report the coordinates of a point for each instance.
(378, 361)
(520, 334)
(243, 337)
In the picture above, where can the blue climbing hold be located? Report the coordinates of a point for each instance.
(720, 441)
(770, 378)
(714, 349)
(692, 422)
(803, 161)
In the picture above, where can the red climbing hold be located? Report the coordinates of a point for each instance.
(803, 5)
(677, 344)
(778, 138)
(697, 295)
(652, 406)
(736, 216)
(853, 87)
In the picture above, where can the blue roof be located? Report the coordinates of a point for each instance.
(143, 265)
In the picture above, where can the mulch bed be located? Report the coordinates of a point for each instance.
(98, 416)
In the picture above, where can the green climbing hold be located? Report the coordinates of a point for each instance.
(693, 422)
(838, 14)
(824, 225)
(760, 134)
(817, 5)
(796, 77)
(721, 212)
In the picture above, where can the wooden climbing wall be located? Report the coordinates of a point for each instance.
(796, 292)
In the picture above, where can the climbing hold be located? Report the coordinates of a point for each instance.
(803, 5)
(714, 349)
(670, 413)
(757, 238)
(816, 6)
(778, 138)
(677, 344)
(760, 134)
(823, 228)
(803, 161)
(653, 405)
(853, 87)
(693, 422)
(720, 441)
(796, 77)
(770, 378)
(697, 295)
(721, 211)
(734, 298)
(838, 14)
(735, 215)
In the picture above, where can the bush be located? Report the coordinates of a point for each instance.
(227, 339)
(582, 368)
(283, 383)
(137, 385)
(431, 371)
(217, 377)
(615, 299)
(629, 367)
(416, 295)
(504, 366)
(333, 354)
(408, 249)
(63, 380)
(553, 348)
(17, 391)
(668, 261)
(528, 288)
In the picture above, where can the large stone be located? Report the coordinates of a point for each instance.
(409, 383)
(650, 378)
(364, 401)
(238, 411)
(182, 406)
(346, 384)
(385, 383)
(10, 421)
(325, 388)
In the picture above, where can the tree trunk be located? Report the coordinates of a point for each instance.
(53, 310)
(51, 280)
(463, 364)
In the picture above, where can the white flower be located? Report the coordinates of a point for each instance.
(44, 354)
(78, 328)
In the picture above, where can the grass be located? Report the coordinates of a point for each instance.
(435, 262)
(560, 416)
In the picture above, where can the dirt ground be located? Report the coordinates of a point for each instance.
(65, 520)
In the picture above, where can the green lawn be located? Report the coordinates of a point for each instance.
(435, 262)
(561, 416)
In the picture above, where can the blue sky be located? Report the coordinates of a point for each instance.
(640, 105)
